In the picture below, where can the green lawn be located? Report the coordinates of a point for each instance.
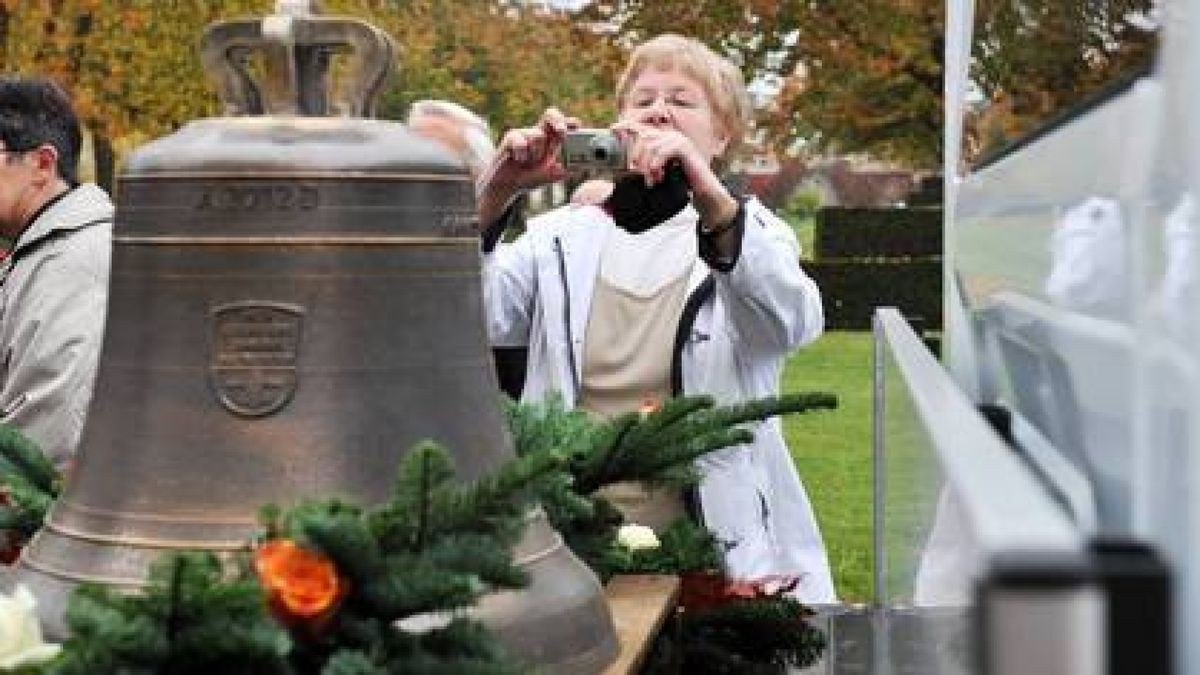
(833, 452)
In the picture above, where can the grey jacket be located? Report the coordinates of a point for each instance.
(53, 301)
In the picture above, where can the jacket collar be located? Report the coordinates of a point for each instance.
(72, 210)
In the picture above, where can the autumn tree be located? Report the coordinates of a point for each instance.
(505, 60)
(868, 79)
(132, 66)
(863, 76)
(134, 71)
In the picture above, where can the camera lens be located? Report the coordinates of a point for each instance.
(600, 154)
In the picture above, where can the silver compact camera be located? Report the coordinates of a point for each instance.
(593, 150)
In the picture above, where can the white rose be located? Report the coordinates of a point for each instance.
(427, 621)
(20, 634)
(637, 537)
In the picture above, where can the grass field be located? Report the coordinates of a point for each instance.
(833, 452)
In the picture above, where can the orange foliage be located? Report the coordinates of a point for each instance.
(862, 76)
(133, 67)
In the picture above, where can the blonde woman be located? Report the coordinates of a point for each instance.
(672, 285)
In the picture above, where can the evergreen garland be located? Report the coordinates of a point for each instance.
(764, 634)
(655, 447)
(409, 568)
(684, 546)
(31, 484)
(428, 554)
(189, 619)
(433, 549)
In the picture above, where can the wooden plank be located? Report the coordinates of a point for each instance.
(639, 605)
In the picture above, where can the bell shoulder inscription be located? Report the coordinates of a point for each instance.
(258, 198)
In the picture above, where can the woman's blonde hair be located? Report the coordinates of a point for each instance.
(721, 80)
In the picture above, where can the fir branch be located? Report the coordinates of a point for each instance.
(21, 456)
(684, 546)
(546, 426)
(398, 561)
(412, 584)
(562, 502)
(341, 534)
(435, 546)
(25, 516)
(424, 499)
(658, 448)
(772, 406)
(189, 619)
(708, 420)
(175, 599)
(771, 630)
(478, 555)
(661, 448)
(495, 504)
(29, 482)
(106, 629)
(651, 447)
(351, 662)
(231, 651)
(700, 658)
(593, 468)
(426, 467)
(673, 412)
(657, 465)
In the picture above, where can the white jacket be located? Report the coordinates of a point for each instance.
(53, 300)
(538, 291)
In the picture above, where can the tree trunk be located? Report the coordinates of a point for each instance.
(3, 38)
(102, 154)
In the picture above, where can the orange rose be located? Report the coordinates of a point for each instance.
(302, 584)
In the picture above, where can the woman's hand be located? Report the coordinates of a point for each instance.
(526, 158)
(650, 148)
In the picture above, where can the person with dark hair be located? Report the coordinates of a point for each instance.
(54, 281)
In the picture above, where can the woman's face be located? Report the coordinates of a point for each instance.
(668, 98)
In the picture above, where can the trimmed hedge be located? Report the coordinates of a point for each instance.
(852, 290)
(928, 192)
(877, 233)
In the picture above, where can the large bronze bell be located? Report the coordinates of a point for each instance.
(295, 300)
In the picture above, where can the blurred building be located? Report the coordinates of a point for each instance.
(840, 181)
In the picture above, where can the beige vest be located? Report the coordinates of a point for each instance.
(629, 342)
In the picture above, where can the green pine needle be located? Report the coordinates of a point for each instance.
(435, 546)
(30, 481)
(189, 619)
(23, 457)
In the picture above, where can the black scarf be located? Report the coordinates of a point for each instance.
(636, 208)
